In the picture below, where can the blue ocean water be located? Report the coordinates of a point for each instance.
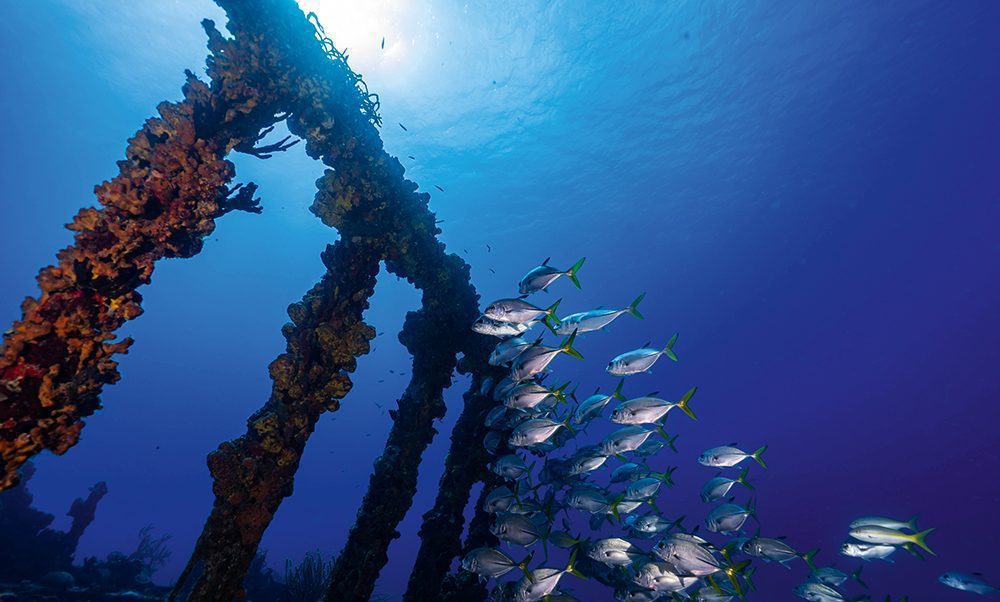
(807, 192)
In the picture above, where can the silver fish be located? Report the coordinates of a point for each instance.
(835, 577)
(588, 499)
(774, 550)
(519, 311)
(718, 487)
(651, 524)
(725, 456)
(540, 277)
(630, 471)
(594, 405)
(492, 441)
(530, 394)
(968, 583)
(537, 358)
(690, 555)
(627, 439)
(511, 467)
(866, 551)
(640, 360)
(892, 537)
(493, 328)
(649, 410)
(534, 431)
(498, 500)
(581, 464)
(614, 551)
(491, 563)
(515, 528)
(888, 523)
(662, 577)
(508, 349)
(541, 582)
(596, 319)
(818, 592)
(647, 487)
(728, 518)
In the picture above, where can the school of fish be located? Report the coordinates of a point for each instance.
(651, 557)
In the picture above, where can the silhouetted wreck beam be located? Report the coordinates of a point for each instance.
(171, 186)
(366, 198)
(441, 531)
(254, 473)
(463, 585)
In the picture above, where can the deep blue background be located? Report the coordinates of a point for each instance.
(808, 192)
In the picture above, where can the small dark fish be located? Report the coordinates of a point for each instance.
(466, 251)
(489, 249)
(404, 127)
(439, 221)
(411, 157)
(492, 270)
(383, 43)
(380, 334)
(378, 405)
(392, 371)
(381, 380)
(439, 188)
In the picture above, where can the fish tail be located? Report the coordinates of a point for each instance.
(742, 479)
(759, 455)
(571, 272)
(567, 347)
(920, 540)
(856, 575)
(633, 307)
(550, 313)
(614, 506)
(571, 565)
(670, 440)
(808, 557)
(752, 509)
(666, 475)
(523, 565)
(560, 392)
(617, 394)
(683, 403)
(678, 524)
(911, 550)
(669, 349)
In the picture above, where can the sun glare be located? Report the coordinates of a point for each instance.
(378, 35)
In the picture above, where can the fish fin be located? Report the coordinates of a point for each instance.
(567, 347)
(912, 523)
(808, 557)
(614, 506)
(670, 440)
(633, 307)
(647, 344)
(523, 565)
(759, 455)
(571, 272)
(617, 394)
(550, 313)
(683, 403)
(920, 540)
(546, 262)
(856, 575)
(669, 349)
(742, 479)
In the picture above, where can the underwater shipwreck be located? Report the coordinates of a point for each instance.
(539, 528)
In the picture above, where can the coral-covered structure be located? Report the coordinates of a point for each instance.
(174, 183)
